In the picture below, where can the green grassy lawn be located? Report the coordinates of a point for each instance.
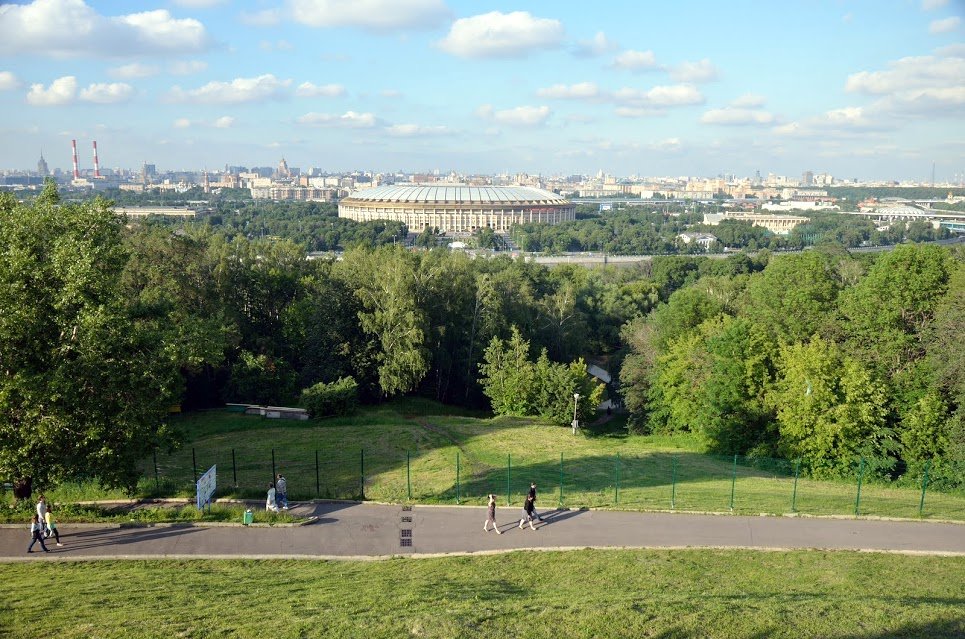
(423, 449)
(721, 594)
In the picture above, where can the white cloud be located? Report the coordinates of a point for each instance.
(842, 122)
(263, 18)
(660, 96)
(374, 15)
(638, 112)
(240, 90)
(224, 122)
(105, 93)
(350, 119)
(278, 45)
(65, 28)
(930, 5)
(946, 25)
(636, 61)
(748, 101)
(61, 91)
(952, 50)
(187, 67)
(8, 81)
(909, 73)
(914, 86)
(744, 111)
(416, 130)
(309, 90)
(198, 4)
(582, 90)
(518, 116)
(501, 35)
(702, 71)
(847, 116)
(668, 144)
(390, 93)
(133, 71)
(597, 46)
(733, 116)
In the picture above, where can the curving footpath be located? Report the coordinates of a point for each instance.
(372, 531)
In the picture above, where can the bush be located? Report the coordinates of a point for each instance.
(326, 400)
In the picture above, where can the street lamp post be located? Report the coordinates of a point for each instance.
(576, 401)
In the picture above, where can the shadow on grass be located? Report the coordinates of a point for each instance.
(601, 475)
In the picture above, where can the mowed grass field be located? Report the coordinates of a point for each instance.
(635, 594)
(419, 451)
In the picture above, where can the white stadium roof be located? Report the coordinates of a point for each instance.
(456, 194)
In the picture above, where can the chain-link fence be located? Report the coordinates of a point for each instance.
(657, 481)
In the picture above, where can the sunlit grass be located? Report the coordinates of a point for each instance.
(647, 593)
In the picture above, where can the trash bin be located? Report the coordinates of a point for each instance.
(248, 517)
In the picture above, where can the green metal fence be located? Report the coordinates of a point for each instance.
(658, 481)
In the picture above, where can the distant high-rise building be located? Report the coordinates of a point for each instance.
(283, 171)
(42, 167)
(808, 178)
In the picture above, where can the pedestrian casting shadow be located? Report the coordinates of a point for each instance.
(554, 516)
(115, 537)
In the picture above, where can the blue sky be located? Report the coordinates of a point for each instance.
(863, 89)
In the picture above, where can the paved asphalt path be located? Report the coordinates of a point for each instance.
(350, 530)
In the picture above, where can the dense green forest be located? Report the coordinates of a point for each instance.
(822, 356)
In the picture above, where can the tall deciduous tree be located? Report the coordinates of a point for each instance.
(830, 410)
(385, 284)
(794, 297)
(84, 383)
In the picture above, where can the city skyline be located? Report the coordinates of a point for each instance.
(847, 88)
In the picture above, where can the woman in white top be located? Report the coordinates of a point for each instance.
(270, 504)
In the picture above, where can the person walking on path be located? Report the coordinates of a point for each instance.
(281, 488)
(271, 504)
(52, 526)
(532, 494)
(529, 511)
(491, 516)
(37, 534)
(42, 513)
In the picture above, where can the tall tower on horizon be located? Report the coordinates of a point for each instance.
(42, 167)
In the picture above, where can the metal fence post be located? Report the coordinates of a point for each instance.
(509, 473)
(616, 483)
(157, 479)
(673, 483)
(924, 485)
(857, 499)
(561, 480)
(797, 471)
(194, 465)
(273, 472)
(234, 468)
(362, 471)
(408, 474)
(318, 491)
(733, 482)
(457, 478)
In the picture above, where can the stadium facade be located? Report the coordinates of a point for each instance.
(457, 209)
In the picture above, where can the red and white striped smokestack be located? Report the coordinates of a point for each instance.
(97, 168)
(73, 145)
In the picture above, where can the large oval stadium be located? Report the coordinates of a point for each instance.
(457, 209)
